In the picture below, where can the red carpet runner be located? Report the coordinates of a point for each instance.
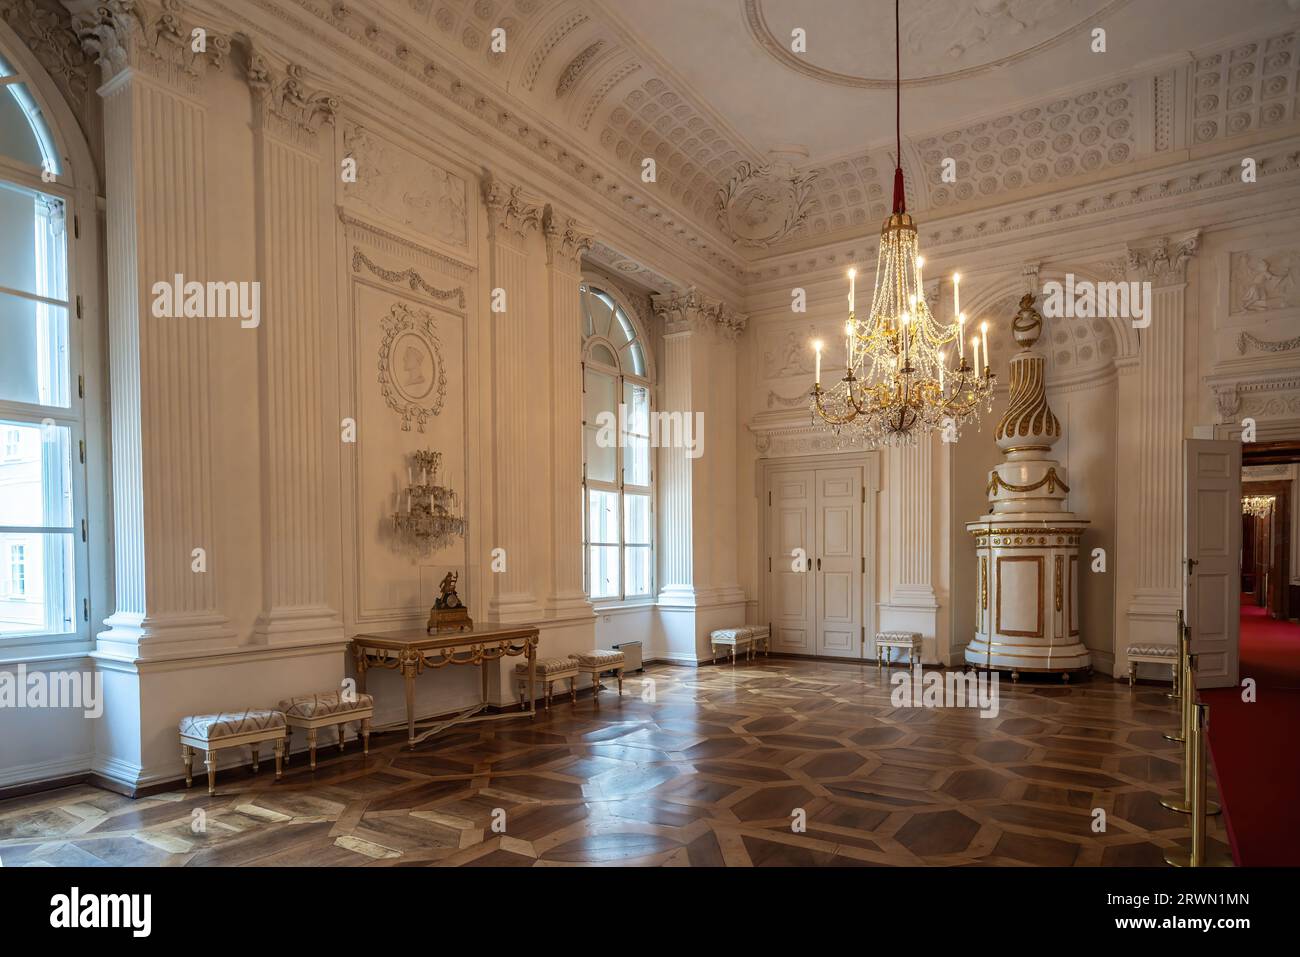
(1256, 747)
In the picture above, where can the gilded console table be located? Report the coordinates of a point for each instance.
(410, 652)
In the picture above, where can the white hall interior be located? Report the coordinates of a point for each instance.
(445, 205)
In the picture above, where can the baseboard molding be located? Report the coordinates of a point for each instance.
(40, 777)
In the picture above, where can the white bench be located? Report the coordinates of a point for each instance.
(910, 640)
(313, 711)
(759, 635)
(733, 638)
(1155, 655)
(598, 661)
(211, 733)
(548, 671)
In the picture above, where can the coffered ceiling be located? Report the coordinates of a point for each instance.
(761, 147)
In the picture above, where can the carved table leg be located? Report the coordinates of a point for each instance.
(311, 746)
(187, 755)
(257, 755)
(343, 733)
(365, 736)
(279, 759)
(288, 738)
(620, 682)
(210, 759)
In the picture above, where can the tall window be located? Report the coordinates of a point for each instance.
(618, 476)
(40, 408)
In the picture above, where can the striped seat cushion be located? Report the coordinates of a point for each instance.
(210, 727)
(547, 666)
(598, 657)
(1152, 651)
(326, 703)
(727, 636)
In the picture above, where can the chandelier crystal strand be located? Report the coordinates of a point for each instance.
(898, 384)
(1257, 506)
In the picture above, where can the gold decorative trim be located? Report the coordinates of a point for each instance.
(1021, 558)
(984, 583)
(1072, 603)
(1051, 480)
(1060, 567)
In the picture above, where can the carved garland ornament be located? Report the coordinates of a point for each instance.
(408, 276)
(1265, 345)
(412, 375)
(1051, 480)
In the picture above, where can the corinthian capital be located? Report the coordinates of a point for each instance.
(511, 210)
(566, 240)
(1163, 260)
(691, 310)
(152, 36)
(286, 105)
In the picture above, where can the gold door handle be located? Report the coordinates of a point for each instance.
(1191, 563)
(819, 564)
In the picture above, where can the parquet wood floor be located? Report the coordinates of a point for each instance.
(709, 773)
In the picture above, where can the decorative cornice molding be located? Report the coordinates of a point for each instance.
(1267, 395)
(285, 105)
(153, 38)
(49, 34)
(784, 434)
(697, 313)
(356, 228)
(510, 208)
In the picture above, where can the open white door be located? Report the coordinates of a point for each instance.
(1212, 557)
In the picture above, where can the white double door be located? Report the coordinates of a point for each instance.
(816, 565)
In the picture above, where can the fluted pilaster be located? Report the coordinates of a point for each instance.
(513, 215)
(288, 156)
(566, 241)
(910, 477)
(156, 155)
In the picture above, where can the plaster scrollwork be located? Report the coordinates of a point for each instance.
(566, 240)
(696, 312)
(49, 34)
(285, 103)
(576, 66)
(412, 374)
(762, 205)
(1163, 262)
(408, 277)
(1263, 396)
(510, 208)
(152, 37)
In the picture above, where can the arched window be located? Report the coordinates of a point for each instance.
(43, 566)
(618, 473)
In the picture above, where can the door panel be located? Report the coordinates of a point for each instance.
(838, 564)
(790, 527)
(1212, 556)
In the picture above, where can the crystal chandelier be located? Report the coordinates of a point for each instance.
(431, 519)
(1257, 506)
(906, 373)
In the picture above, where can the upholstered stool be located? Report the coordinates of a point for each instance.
(547, 671)
(911, 640)
(1152, 654)
(313, 711)
(211, 733)
(733, 638)
(759, 635)
(599, 660)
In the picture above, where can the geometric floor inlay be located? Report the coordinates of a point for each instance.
(709, 774)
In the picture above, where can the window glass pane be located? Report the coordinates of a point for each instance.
(603, 571)
(36, 584)
(585, 298)
(637, 399)
(638, 571)
(636, 460)
(35, 474)
(34, 359)
(602, 317)
(624, 324)
(32, 243)
(22, 129)
(601, 463)
(602, 517)
(601, 353)
(636, 519)
(638, 359)
(601, 443)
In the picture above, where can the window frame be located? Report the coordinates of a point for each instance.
(79, 270)
(623, 378)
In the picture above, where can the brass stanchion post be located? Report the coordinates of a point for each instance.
(1199, 854)
(1184, 659)
(1185, 805)
(1176, 680)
